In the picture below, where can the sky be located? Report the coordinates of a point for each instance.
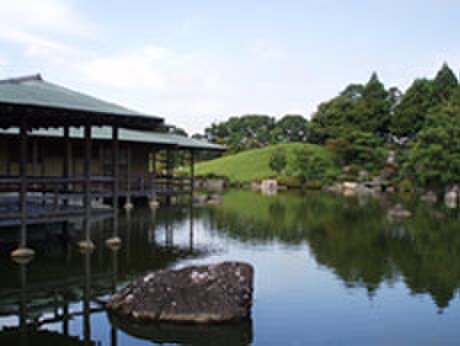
(195, 62)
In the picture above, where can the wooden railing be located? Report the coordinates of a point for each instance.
(159, 184)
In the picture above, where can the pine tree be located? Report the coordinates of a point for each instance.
(410, 114)
(444, 85)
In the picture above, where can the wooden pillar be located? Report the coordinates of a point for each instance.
(115, 168)
(115, 242)
(8, 160)
(128, 204)
(192, 173)
(87, 245)
(23, 251)
(191, 232)
(154, 182)
(35, 157)
(87, 172)
(23, 189)
(169, 175)
(67, 159)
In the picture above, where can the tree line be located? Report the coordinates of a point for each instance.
(364, 122)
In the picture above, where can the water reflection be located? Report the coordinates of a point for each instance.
(354, 238)
(311, 254)
(63, 289)
(238, 333)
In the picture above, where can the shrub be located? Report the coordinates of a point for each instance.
(405, 186)
(278, 160)
(311, 165)
(290, 182)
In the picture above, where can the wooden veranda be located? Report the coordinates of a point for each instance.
(62, 158)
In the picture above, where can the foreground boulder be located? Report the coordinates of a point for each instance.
(196, 294)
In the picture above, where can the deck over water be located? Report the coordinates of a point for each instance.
(39, 212)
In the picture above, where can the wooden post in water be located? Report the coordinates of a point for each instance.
(153, 203)
(192, 174)
(86, 244)
(22, 251)
(115, 242)
(128, 203)
(169, 176)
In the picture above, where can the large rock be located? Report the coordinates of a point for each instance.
(350, 188)
(452, 196)
(196, 294)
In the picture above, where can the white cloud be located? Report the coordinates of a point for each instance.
(45, 16)
(156, 68)
(40, 27)
(140, 69)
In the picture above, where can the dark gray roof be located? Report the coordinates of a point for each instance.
(34, 91)
(105, 133)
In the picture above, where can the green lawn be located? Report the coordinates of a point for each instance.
(253, 164)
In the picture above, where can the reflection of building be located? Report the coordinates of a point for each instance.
(62, 153)
(67, 287)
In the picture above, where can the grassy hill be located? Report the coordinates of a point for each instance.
(253, 164)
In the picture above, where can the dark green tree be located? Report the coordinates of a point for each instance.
(311, 165)
(278, 160)
(374, 107)
(290, 128)
(444, 85)
(359, 107)
(241, 133)
(434, 159)
(409, 115)
(363, 149)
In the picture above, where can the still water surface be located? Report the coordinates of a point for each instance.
(328, 271)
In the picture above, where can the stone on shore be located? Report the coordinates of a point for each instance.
(398, 212)
(196, 294)
(430, 197)
(269, 187)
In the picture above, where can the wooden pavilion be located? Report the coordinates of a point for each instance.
(63, 154)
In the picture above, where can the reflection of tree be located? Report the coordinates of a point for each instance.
(432, 263)
(356, 242)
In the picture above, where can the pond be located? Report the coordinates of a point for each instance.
(328, 270)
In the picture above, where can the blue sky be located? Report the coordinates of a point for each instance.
(198, 61)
